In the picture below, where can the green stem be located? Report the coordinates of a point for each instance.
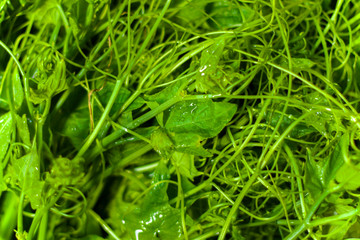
(55, 33)
(26, 82)
(103, 224)
(328, 25)
(118, 85)
(328, 220)
(20, 227)
(137, 122)
(295, 167)
(39, 214)
(101, 122)
(261, 164)
(324, 43)
(236, 205)
(43, 227)
(8, 219)
(306, 223)
(111, 138)
(67, 29)
(35, 223)
(115, 20)
(151, 33)
(307, 82)
(61, 101)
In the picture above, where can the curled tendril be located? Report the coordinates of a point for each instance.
(77, 210)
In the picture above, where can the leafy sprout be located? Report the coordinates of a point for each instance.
(179, 119)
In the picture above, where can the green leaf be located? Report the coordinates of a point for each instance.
(167, 93)
(191, 122)
(227, 14)
(129, 149)
(160, 222)
(27, 171)
(186, 184)
(192, 11)
(18, 93)
(80, 20)
(162, 143)
(273, 116)
(319, 175)
(5, 137)
(23, 130)
(339, 228)
(125, 118)
(320, 117)
(189, 143)
(124, 94)
(74, 27)
(302, 63)
(298, 64)
(209, 60)
(51, 78)
(38, 97)
(321, 121)
(313, 176)
(5, 133)
(155, 218)
(202, 117)
(336, 160)
(160, 116)
(185, 163)
(349, 175)
(344, 205)
(4, 104)
(47, 11)
(76, 126)
(158, 195)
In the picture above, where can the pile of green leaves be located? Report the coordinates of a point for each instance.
(174, 119)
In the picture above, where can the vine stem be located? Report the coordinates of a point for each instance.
(26, 82)
(103, 224)
(119, 84)
(261, 165)
(306, 223)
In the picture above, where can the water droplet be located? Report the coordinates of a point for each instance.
(137, 232)
(203, 68)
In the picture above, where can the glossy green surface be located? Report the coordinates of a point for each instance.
(179, 119)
